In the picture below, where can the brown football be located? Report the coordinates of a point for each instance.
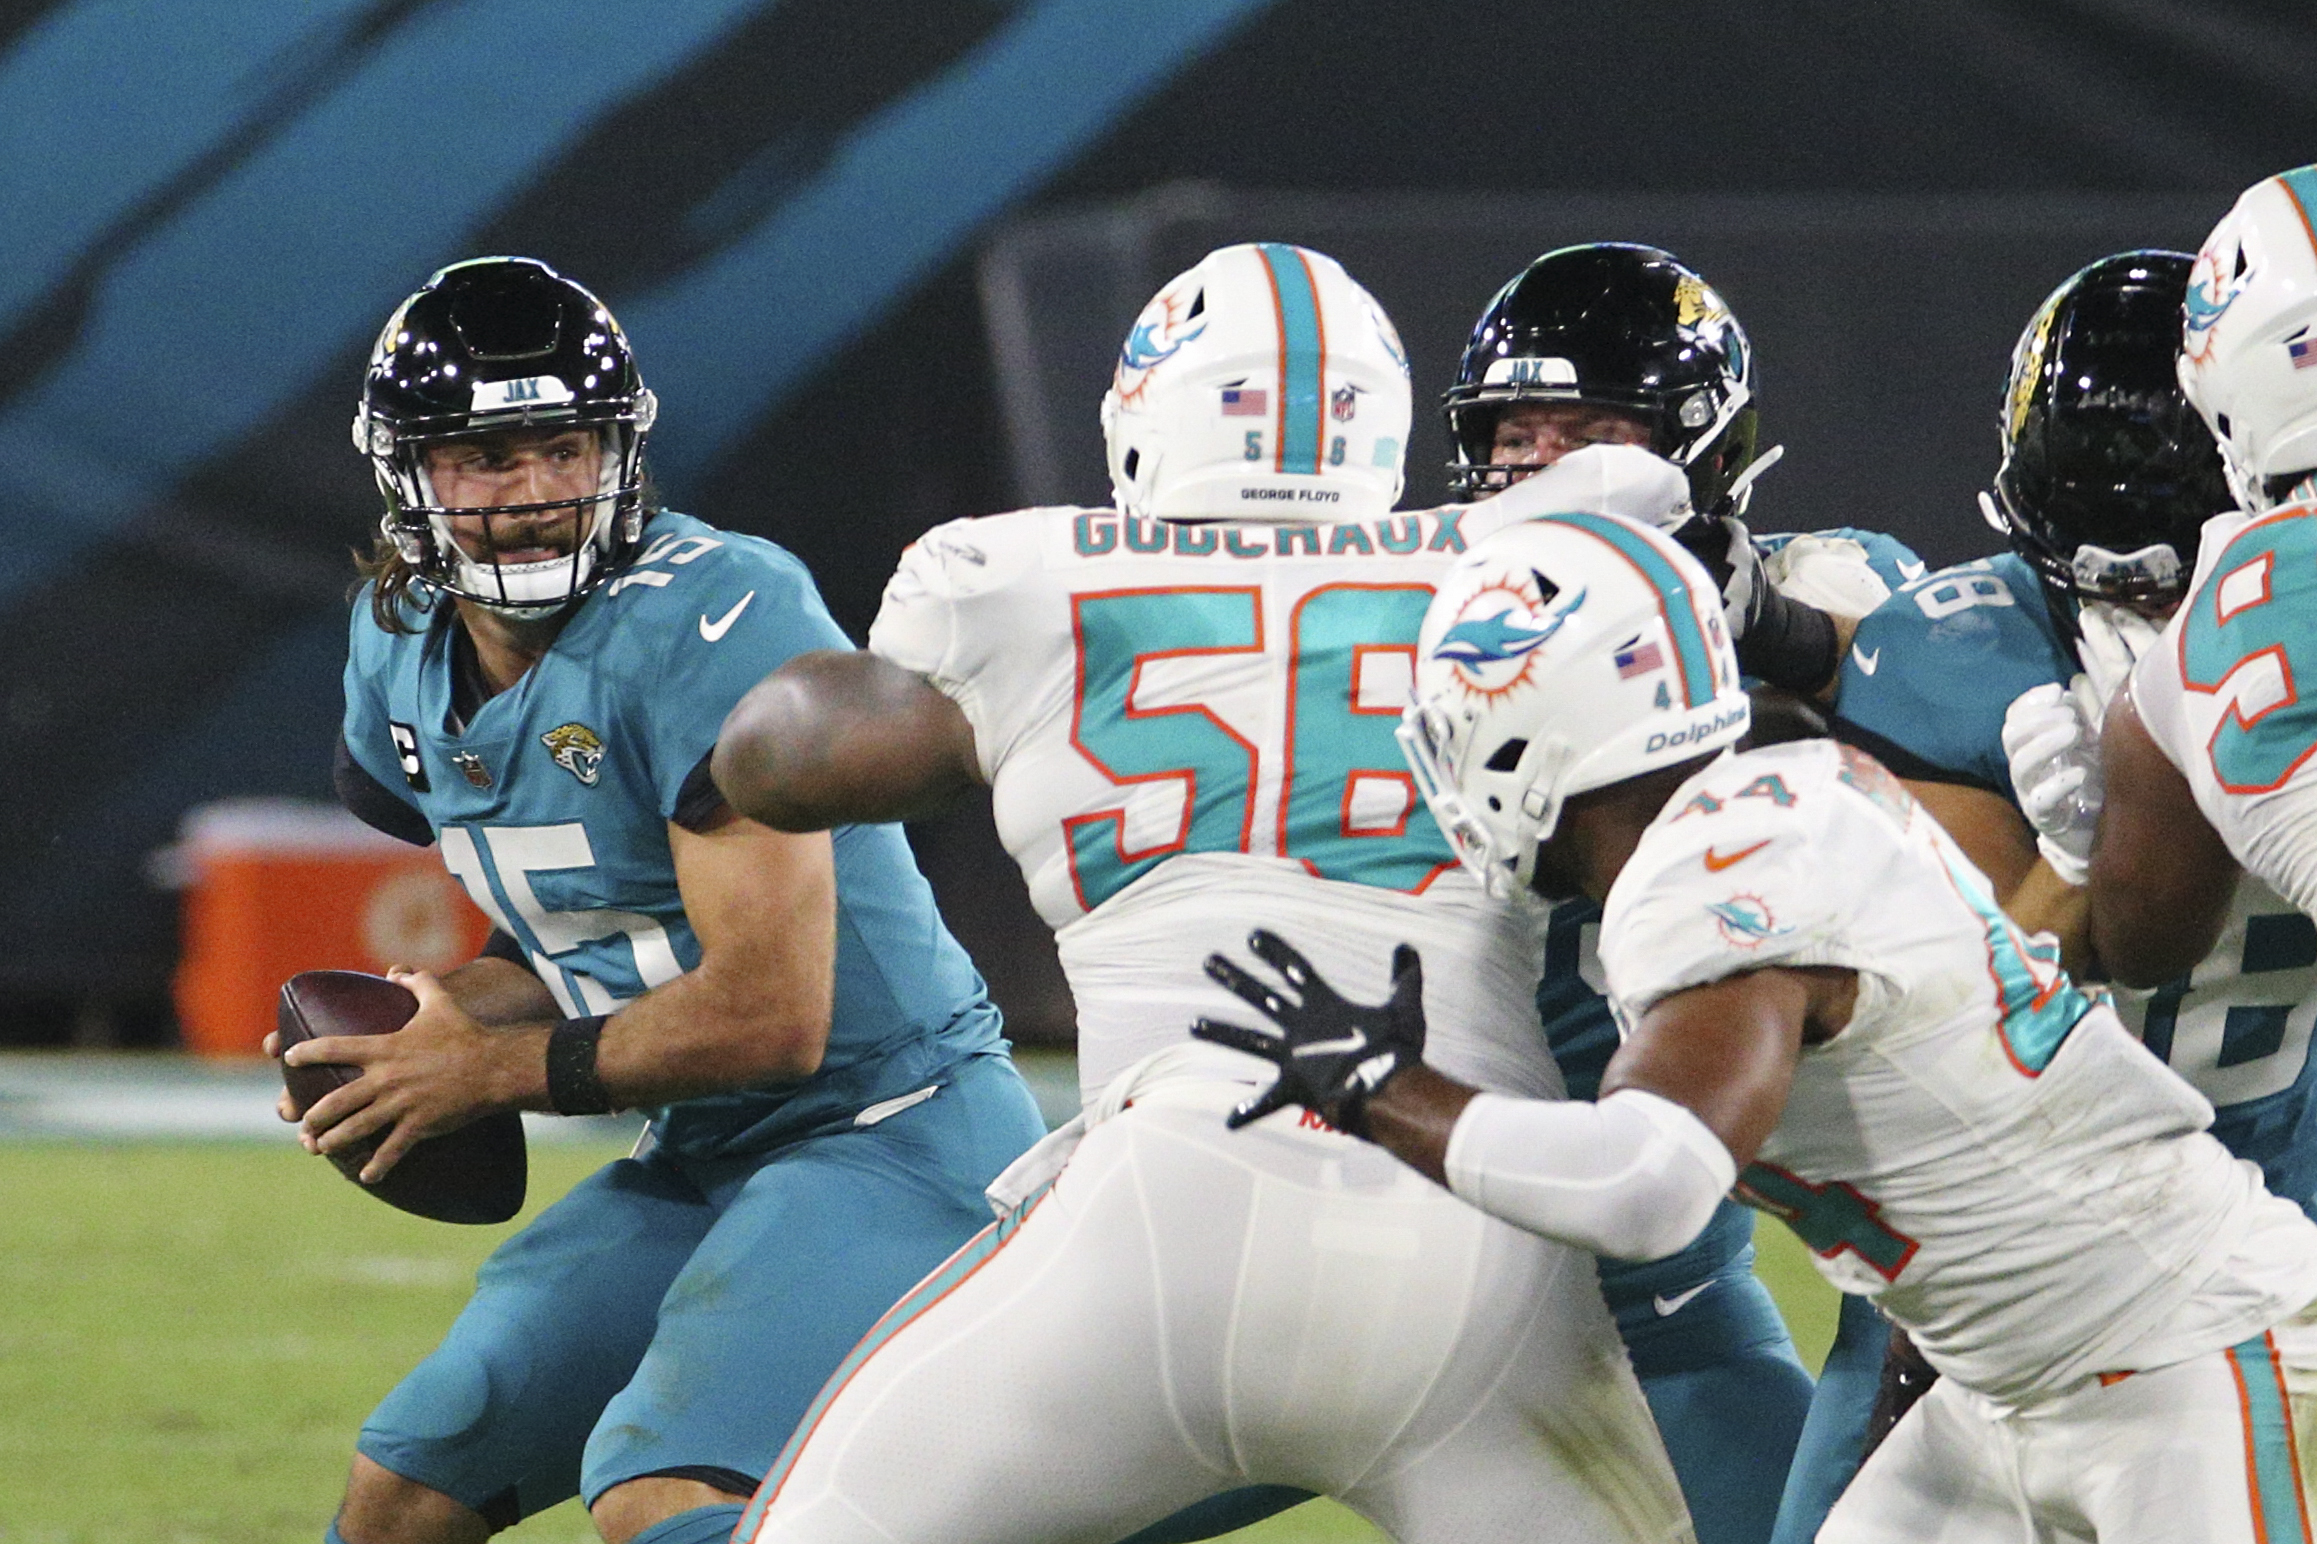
(474, 1174)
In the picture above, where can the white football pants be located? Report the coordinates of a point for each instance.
(2213, 1450)
(1189, 1309)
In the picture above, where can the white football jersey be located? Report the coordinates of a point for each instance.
(1983, 1150)
(1188, 732)
(2221, 694)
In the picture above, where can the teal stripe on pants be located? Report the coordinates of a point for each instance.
(2278, 1508)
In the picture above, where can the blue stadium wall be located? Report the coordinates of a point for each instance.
(205, 211)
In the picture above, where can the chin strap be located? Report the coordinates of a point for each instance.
(1742, 485)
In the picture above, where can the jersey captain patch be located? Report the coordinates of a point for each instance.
(405, 740)
(577, 749)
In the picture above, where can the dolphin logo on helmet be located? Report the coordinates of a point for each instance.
(2252, 296)
(1497, 638)
(1257, 387)
(2210, 294)
(1495, 764)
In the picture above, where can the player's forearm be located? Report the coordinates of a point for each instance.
(497, 992)
(1634, 1177)
(2161, 879)
(1412, 1116)
(714, 1030)
(842, 738)
(2045, 903)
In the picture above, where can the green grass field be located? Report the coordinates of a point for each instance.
(190, 1334)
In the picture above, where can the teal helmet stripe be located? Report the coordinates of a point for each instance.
(1681, 618)
(1302, 352)
(2301, 183)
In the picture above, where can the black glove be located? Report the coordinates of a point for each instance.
(1906, 1379)
(1779, 639)
(1331, 1054)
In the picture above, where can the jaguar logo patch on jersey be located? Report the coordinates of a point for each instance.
(577, 749)
(471, 766)
(405, 740)
(1745, 920)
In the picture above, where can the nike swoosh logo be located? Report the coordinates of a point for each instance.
(1910, 572)
(1715, 862)
(1866, 661)
(723, 624)
(1667, 1307)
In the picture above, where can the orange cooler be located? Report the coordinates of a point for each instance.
(276, 886)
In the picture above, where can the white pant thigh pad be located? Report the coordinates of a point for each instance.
(1189, 1309)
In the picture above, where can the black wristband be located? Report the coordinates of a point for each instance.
(572, 1085)
(1790, 645)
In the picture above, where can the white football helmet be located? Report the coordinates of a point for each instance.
(1559, 656)
(2248, 356)
(1263, 385)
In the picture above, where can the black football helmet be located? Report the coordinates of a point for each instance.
(1612, 325)
(2108, 475)
(500, 343)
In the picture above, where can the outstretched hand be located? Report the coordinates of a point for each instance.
(1331, 1053)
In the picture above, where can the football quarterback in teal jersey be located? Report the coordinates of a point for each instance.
(539, 664)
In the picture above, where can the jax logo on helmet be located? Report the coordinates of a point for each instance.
(1498, 630)
(1175, 316)
(2210, 293)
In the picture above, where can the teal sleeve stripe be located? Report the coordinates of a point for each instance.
(2278, 1502)
(1681, 618)
(1302, 351)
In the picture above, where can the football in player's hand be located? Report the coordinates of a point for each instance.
(474, 1174)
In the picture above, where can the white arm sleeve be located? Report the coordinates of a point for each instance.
(1634, 1176)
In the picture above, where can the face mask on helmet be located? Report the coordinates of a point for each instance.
(1262, 385)
(1558, 656)
(2248, 348)
(1619, 329)
(497, 363)
(2107, 475)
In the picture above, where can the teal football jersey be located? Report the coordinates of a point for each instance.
(1893, 561)
(1933, 670)
(552, 808)
(1926, 687)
